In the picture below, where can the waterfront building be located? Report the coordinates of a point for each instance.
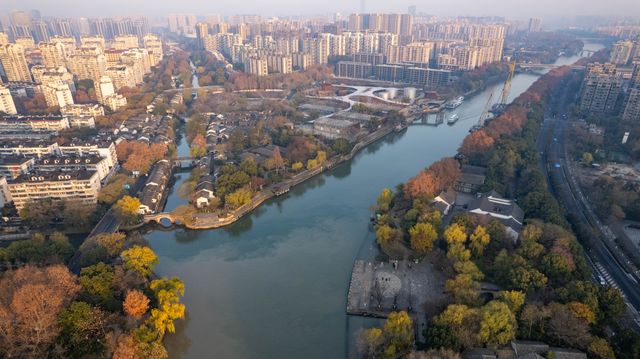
(153, 190)
(332, 128)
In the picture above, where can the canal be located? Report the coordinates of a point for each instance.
(274, 284)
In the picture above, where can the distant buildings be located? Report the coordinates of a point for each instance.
(623, 51)
(535, 24)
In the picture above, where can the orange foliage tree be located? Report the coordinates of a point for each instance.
(440, 175)
(135, 304)
(139, 156)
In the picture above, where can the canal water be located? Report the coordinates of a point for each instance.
(274, 284)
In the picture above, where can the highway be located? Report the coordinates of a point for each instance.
(614, 268)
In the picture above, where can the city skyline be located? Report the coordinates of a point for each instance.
(543, 8)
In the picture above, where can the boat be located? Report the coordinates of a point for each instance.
(453, 119)
(455, 103)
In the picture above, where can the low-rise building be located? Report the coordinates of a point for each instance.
(505, 210)
(92, 110)
(471, 179)
(34, 148)
(332, 128)
(204, 191)
(82, 186)
(12, 166)
(48, 123)
(106, 149)
(73, 163)
(153, 190)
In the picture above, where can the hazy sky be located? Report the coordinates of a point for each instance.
(510, 8)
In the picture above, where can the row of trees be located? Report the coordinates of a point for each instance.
(140, 156)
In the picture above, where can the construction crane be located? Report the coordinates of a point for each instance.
(499, 107)
(486, 114)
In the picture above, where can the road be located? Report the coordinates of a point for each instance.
(614, 268)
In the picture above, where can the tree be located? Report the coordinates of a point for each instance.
(112, 242)
(126, 210)
(479, 240)
(140, 259)
(398, 331)
(455, 234)
(513, 299)
(463, 289)
(384, 200)
(82, 329)
(97, 281)
(31, 301)
(385, 235)
(441, 336)
(198, 146)
(135, 304)
(587, 158)
(566, 326)
(600, 349)
(370, 341)
(238, 198)
(527, 279)
(423, 235)
(167, 293)
(277, 159)
(462, 321)
(583, 311)
(115, 189)
(498, 324)
(341, 146)
(296, 166)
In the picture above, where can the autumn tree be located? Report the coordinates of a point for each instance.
(384, 200)
(140, 259)
(439, 176)
(478, 241)
(135, 304)
(112, 242)
(422, 235)
(126, 210)
(600, 349)
(497, 325)
(513, 299)
(198, 146)
(463, 289)
(167, 293)
(238, 198)
(30, 303)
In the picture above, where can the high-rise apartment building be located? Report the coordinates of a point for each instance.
(399, 24)
(632, 108)
(14, 63)
(57, 94)
(535, 24)
(6, 102)
(53, 54)
(88, 62)
(153, 44)
(601, 89)
(622, 52)
(256, 66)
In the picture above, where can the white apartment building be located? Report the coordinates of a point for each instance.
(6, 102)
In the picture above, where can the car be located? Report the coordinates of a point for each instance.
(601, 280)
